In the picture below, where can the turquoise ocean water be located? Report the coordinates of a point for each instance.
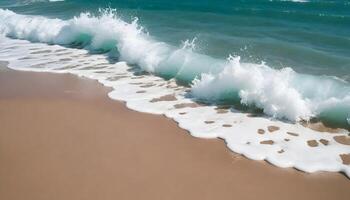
(306, 42)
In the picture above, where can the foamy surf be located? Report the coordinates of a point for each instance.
(308, 96)
(278, 93)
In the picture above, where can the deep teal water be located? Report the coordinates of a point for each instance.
(310, 37)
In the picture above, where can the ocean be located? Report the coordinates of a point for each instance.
(252, 72)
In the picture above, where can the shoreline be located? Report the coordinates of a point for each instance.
(63, 138)
(290, 145)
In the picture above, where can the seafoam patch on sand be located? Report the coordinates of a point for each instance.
(256, 137)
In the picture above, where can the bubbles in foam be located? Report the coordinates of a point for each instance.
(256, 137)
(279, 93)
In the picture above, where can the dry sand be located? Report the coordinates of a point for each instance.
(62, 138)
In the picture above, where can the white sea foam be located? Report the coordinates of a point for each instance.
(279, 93)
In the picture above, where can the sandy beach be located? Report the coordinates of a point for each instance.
(62, 138)
(174, 100)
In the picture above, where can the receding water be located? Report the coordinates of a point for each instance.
(287, 61)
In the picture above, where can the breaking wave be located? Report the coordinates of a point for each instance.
(280, 93)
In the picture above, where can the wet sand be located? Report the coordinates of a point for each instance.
(62, 138)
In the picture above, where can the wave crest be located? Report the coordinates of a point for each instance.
(279, 93)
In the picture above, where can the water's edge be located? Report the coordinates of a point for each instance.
(256, 137)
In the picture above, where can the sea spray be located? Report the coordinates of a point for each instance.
(280, 93)
(257, 137)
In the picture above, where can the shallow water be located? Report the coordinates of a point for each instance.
(279, 61)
